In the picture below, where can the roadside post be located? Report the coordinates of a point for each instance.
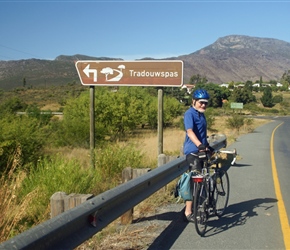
(160, 121)
(150, 73)
(92, 126)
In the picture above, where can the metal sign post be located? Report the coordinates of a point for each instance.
(92, 126)
(160, 121)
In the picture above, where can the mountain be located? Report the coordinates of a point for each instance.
(38, 72)
(232, 58)
(239, 58)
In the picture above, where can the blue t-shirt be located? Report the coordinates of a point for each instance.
(197, 122)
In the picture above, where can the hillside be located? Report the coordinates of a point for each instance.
(231, 58)
(239, 58)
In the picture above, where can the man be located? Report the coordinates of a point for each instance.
(196, 137)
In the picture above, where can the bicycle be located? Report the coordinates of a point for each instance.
(210, 190)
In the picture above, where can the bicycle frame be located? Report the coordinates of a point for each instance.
(206, 180)
(210, 196)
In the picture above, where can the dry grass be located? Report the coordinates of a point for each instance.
(81, 154)
(147, 141)
(173, 138)
(51, 106)
(10, 212)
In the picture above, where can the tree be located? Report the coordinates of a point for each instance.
(231, 85)
(267, 97)
(12, 105)
(197, 79)
(243, 95)
(249, 85)
(22, 135)
(116, 113)
(24, 82)
(286, 78)
(217, 94)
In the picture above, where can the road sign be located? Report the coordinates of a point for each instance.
(237, 105)
(166, 73)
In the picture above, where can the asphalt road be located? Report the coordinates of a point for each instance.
(252, 219)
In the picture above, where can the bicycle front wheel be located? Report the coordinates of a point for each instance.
(222, 191)
(199, 209)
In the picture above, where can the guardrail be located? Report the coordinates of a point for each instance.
(71, 228)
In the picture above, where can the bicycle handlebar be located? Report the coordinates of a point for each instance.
(233, 152)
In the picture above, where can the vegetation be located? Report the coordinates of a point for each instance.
(38, 150)
(267, 98)
(235, 122)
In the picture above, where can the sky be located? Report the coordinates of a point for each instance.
(133, 29)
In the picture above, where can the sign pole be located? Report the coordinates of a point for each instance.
(160, 121)
(92, 126)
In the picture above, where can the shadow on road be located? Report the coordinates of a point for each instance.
(236, 215)
(172, 231)
(236, 165)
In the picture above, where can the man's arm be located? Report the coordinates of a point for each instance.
(196, 141)
(193, 137)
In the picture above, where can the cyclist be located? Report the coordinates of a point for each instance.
(196, 137)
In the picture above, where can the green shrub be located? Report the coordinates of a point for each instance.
(112, 159)
(20, 133)
(278, 99)
(56, 174)
(210, 119)
(267, 97)
(116, 114)
(235, 122)
(252, 106)
(249, 121)
(74, 129)
(284, 104)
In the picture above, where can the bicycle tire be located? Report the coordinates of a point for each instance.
(199, 209)
(221, 192)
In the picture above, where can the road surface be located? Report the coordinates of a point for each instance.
(259, 205)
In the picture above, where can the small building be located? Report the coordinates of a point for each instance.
(279, 84)
(224, 85)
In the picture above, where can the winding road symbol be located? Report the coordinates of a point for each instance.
(106, 71)
(109, 71)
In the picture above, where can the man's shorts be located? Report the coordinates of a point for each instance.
(194, 162)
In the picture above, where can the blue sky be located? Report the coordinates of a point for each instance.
(132, 29)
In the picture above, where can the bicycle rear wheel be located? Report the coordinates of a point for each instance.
(222, 191)
(199, 205)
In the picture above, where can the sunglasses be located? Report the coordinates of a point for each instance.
(205, 103)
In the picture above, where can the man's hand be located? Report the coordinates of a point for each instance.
(201, 147)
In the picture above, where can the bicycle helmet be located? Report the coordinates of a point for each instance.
(200, 94)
